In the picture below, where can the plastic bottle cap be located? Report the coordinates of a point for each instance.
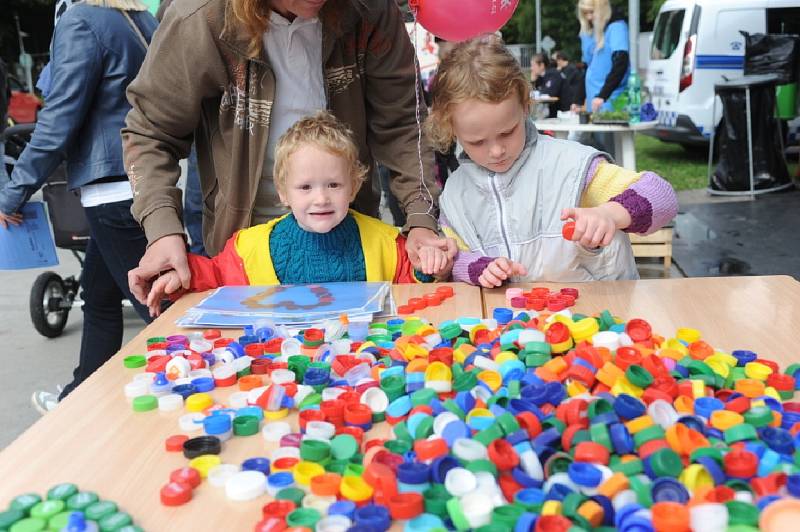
(134, 361)
(170, 402)
(219, 474)
(191, 422)
(145, 403)
(275, 430)
(460, 481)
(245, 485)
(780, 516)
(175, 494)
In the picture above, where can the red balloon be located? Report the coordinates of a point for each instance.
(459, 20)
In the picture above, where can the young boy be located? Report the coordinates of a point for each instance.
(317, 175)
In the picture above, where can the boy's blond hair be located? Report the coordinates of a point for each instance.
(479, 69)
(326, 132)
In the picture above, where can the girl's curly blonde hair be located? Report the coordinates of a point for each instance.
(326, 132)
(480, 69)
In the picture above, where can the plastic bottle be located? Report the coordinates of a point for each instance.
(634, 97)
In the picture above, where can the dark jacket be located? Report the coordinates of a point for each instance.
(573, 90)
(96, 54)
(200, 82)
(5, 95)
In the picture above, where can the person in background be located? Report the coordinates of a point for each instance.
(247, 70)
(546, 80)
(98, 47)
(5, 98)
(573, 91)
(317, 174)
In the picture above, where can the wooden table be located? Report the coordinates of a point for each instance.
(624, 148)
(96, 441)
(756, 313)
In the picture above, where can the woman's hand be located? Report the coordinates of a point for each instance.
(10, 219)
(419, 237)
(166, 253)
(597, 103)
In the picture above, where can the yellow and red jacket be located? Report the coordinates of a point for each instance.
(246, 259)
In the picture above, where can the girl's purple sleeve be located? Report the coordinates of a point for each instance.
(468, 265)
(651, 201)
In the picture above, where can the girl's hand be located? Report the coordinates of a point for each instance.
(167, 283)
(499, 270)
(595, 226)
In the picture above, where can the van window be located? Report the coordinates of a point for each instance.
(667, 34)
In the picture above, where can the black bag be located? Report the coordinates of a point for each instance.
(70, 226)
(769, 167)
(774, 53)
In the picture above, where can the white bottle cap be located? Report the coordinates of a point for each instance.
(255, 393)
(146, 376)
(245, 485)
(201, 346)
(241, 363)
(711, 517)
(559, 478)
(320, 503)
(275, 430)
(303, 391)
(155, 353)
(477, 509)
(329, 394)
(291, 346)
(333, 523)
(238, 399)
(607, 339)
(442, 420)
(219, 474)
(182, 380)
(191, 422)
(341, 346)
(624, 498)
(137, 389)
(321, 430)
(439, 386)
(178, 368)
(201, 373)
(459, 481)
(469, 450)
(285, 452)
(224, 372)
(530, 463)
(282, 376)
(663, 413)
(527, 336)
(170, 402)
(376, 399)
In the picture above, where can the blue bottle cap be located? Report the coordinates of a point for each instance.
(628, 407)
(203, 384)
(666, 489)
(585, 474)
(375, 517)
(346, 508)
(258, 463)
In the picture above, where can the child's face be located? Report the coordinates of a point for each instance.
(492, 134)
(318, 188)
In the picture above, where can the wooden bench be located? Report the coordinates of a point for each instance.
(658, 244)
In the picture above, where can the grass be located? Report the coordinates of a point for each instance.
(684, 169)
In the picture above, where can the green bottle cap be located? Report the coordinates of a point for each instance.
(62, 492)
(9, 517)
(638, 376)
(59, 521)
(424, 428)
(100, 509)
(25, 502)
(344, 447)
(245, 425)
(291, 494)
(666, 463)
(131, 528)
(314, 450)
(134, 361)
(436, 498)
(47, 509)
(145, 403)
(303, 517)
(114, 521)
(741, 432)
(482, 465)
(742, 513)
(31, 524)
(423, 396)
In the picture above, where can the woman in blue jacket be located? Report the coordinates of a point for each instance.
(605, 47)
(98, 47)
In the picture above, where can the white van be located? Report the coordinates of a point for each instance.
(694, 44)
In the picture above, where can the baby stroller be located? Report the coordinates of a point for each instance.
(51, 296)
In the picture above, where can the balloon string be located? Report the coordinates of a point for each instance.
(424, 193)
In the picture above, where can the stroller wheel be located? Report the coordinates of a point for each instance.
(49, 304)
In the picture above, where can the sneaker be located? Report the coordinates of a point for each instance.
(43, 401)
(59, 388)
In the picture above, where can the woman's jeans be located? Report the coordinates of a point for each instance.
(116, 246)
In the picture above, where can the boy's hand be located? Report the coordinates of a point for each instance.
(434, 261)
(499, 270)
(167, 283)
(595, 226)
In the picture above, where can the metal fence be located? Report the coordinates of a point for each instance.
(523, 54)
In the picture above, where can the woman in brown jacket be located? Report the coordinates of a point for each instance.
(233, 75)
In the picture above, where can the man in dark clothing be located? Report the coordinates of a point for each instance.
(573, 90)
(546, 79)
(5, 98)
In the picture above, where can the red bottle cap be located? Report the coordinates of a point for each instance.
(175, 493)
(187, 475)
(430, 449)
(740, 464)
(592, 452)
(212, 334)
(417, 303)
(445, 291)
(405, 310)
(254, 350)
(638, 330)
(222, 342)
(174, 444)
(568, 231)
(357, 414)
(406, 505)
(433, 300)
(260, 366)
(503, 455)
(278, 509)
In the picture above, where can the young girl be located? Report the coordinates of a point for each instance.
(515, 188)
(317, 175)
